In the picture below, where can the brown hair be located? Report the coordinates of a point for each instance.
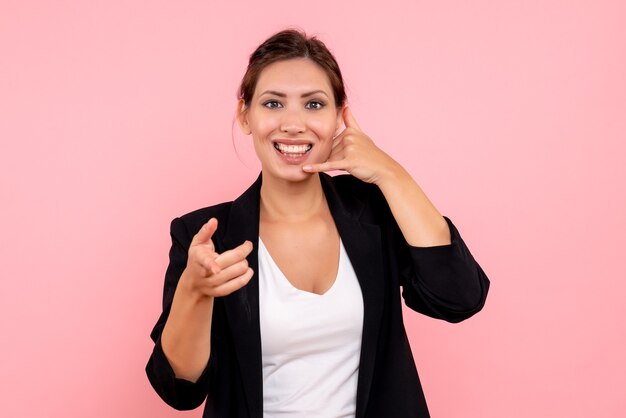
(290, 44)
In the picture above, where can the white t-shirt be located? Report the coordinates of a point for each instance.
(311, 344)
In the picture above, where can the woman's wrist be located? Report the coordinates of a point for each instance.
(190, 291)
(392, 175)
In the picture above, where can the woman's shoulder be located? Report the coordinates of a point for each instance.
(214, 211)
(193, 221)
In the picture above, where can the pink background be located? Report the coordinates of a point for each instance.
(116, 116)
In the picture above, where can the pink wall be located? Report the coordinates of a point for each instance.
(116, 117)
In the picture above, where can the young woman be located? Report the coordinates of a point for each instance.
(286, 301)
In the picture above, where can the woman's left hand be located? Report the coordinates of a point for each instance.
(356, 153)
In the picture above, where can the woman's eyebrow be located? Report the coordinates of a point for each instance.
(311, 93)
(279, 94)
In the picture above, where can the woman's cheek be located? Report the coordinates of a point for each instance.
(324, 131)
(262, 123)
(326, 150)
(265, 125)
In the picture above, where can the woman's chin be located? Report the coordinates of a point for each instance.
(290, 173)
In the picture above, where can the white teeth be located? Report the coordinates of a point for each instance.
(298, 150)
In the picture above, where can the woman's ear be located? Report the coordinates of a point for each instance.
(242, 117)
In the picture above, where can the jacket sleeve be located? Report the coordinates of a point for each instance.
(445, 281)
(179, 393)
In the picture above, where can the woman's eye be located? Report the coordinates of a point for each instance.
(314, 104)
(272, 104)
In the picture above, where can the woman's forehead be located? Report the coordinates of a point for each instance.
(294, 76)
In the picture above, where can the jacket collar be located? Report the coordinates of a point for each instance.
(362, 242)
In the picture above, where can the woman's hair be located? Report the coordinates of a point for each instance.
(290, 44)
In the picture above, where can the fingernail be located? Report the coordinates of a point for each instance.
(307, 168)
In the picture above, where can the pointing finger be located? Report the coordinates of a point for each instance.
(206, 232)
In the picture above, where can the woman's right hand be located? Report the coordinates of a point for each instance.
(210, 274)
(186, 337)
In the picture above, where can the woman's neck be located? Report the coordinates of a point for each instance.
(291, 201)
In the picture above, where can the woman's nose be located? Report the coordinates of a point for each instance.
(292, 122)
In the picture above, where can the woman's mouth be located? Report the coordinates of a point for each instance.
(293, 151)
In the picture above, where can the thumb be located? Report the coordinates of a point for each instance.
(205, 233)
(349, 120)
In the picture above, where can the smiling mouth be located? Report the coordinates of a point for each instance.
(293, 150)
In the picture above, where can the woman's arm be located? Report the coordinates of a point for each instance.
(440, 278)
(420, 222)
(353, 151)
(178, 365)
(186, 337)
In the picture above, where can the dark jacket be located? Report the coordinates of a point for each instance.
(442, 282)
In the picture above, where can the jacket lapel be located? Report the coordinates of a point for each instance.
(242, 306)
(362, 242)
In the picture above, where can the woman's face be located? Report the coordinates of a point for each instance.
(292, 118)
